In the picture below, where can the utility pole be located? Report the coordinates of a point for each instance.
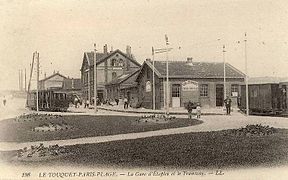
(30, 77)
(37, 88)
(89, 86)
(22, 80)
(167, 76)
(25, 80)
(95, 79)
(19, 80)
(153, 77)
(246, 76)
(224, 77)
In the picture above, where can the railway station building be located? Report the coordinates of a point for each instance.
(201, 82)
(110, 65)
(124, 86)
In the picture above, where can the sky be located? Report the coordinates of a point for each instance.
(62, 30)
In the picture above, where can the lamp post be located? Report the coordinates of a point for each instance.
(167, 76)
(224, 76)
(246, 76)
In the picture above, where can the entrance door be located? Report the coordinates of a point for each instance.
(128, 96)
(100, 95)
(176, 95)
(219, 95)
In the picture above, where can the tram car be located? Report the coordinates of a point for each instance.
(264, 99)
(49, 100)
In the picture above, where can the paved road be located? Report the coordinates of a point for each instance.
(13, 107)
(211, 123)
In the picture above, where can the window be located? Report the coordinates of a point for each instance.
(121, 63)
(176, 90)
(234, 90)
(113, 62)
(254, 93)
(114, 75)
(148, 86)
(204, 90)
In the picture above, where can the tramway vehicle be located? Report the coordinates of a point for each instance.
(49, 100)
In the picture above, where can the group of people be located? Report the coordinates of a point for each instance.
(87, 103)
(190, 106)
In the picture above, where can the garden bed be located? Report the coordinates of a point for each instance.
(217, 149)
(12, 130)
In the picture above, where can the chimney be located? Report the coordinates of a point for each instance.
(190, 61)
(111, 49)
(148, 59)
(105, 49)
(128, 51)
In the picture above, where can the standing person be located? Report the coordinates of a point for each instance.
(198, 111)
(125, 103)
(189, 108)
(4, 101)
(87, 103)
(76, 102)
(117, 101)
(227, 103)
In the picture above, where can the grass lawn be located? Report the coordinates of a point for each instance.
(84, 126)
(192, 150)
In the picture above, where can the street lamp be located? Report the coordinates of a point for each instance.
(246, 76)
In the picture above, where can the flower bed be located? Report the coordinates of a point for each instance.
(36, 117)
(253, 130)
(155, 119)
(52, 127)
(39, 153)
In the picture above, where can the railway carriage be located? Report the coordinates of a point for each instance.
(264, 99)
(49, 100)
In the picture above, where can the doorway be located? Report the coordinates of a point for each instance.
(219, 95)
(176, 95)
(100, 95)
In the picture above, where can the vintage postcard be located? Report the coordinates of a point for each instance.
(150, 89)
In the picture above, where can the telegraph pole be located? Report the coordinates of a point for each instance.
(153, 79)
(30, 77)
(37, 88)
(246, 76)
(167, 76)
(224, 77)
(95, 80)
(19, 80)
(25, 80)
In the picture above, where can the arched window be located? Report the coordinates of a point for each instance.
(114, 75)
(113, 62)
(121, 63)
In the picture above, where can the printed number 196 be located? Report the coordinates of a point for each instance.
(26, 174)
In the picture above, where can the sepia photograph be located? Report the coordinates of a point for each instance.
(150, 89)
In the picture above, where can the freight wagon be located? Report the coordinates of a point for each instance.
(264, 99)
(49, 100)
